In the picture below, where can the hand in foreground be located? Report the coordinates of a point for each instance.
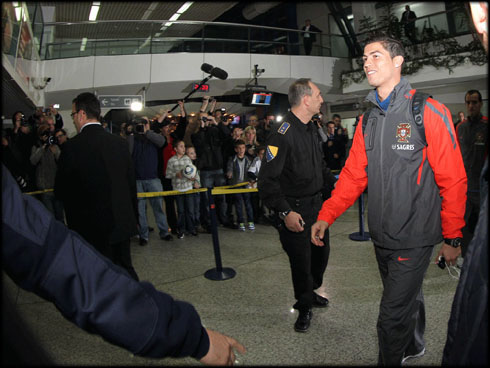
(318, 232)
(449, 253)
(221, 349)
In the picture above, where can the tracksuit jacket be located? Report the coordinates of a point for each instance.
(416, 186)
(43, 256)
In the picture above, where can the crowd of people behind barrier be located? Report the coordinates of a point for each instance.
(212, 141)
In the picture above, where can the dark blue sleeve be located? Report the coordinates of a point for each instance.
(43, 256)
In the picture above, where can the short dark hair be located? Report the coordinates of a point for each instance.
(297, 90)
(472, 92)
(336, 116)
(239, 142)
(89, 103)
(176, 142)
(330, 122)
(394, 47)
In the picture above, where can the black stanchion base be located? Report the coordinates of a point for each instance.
(360, 237)
(224, 274)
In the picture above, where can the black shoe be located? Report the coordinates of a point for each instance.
(194, 233)
(319, 301)
(143, 242)
(150, 228)
(303, 322)
(180, 235)
(167, 237)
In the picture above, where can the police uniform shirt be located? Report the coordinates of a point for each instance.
(293, 165)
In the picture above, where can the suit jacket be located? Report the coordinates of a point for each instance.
(312, 29)
(97, 184)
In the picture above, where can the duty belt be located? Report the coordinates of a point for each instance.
(303, 200)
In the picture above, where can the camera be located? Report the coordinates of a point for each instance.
(139, 126)
(204, 119)
(51, 139)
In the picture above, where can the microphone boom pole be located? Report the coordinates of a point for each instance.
(213, 71)
(193, 91)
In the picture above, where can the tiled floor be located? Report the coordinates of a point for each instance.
(255, 305)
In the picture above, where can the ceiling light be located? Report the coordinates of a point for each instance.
(350, 16)
(168, 24)
(136, 106)
(150, 9)
(94, 10)
(184, 7)
(174, 17)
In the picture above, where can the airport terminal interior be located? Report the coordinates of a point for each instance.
(153, 54)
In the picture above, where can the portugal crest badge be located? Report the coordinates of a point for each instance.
(403, 132)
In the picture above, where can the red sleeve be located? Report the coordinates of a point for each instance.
(444, 156)
(352, 180)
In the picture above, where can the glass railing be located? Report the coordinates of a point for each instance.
(147, 37)
(450, 23)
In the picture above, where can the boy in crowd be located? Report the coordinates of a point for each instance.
(195, 197)
(236, 172)
(175, 171)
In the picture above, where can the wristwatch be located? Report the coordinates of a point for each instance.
(282, 215)
(456, 242)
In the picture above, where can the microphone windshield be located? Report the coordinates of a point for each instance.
(206, 68)
(219, 73)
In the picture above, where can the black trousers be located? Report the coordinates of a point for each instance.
(401, 320)
(308, 262)
(308, 45)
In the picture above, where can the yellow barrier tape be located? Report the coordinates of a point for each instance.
(40, 191)
(226, 189)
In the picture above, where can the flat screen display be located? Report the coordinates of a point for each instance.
(261, 98)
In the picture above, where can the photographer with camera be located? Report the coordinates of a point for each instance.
(22, 139)
(143, 146)
(44, 156)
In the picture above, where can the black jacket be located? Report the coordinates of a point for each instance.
(293, 165)
(96, 183)
(467, 335)
(208, 143)
(43, 256)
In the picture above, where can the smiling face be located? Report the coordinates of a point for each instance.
(382, 71)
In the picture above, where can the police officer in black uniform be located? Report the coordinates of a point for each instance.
(290, 182)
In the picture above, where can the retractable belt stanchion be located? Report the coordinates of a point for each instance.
(361, 235)
(219, 273)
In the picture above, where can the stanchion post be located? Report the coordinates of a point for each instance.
(361, 235)
(219, 273)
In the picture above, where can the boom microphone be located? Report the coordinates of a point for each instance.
(206, 68)
(219, 73)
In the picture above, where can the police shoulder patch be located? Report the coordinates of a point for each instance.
(271, 152)
(283, 128)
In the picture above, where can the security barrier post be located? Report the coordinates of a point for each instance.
(361, 235)
(219, 273)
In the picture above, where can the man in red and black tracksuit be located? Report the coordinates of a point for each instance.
(473, 140)
(417, 194)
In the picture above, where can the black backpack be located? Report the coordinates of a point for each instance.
(418, 105)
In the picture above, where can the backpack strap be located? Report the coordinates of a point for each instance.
(418, 106)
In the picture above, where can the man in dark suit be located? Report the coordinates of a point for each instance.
(308, 37)
(96, 182)
(408, 20)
